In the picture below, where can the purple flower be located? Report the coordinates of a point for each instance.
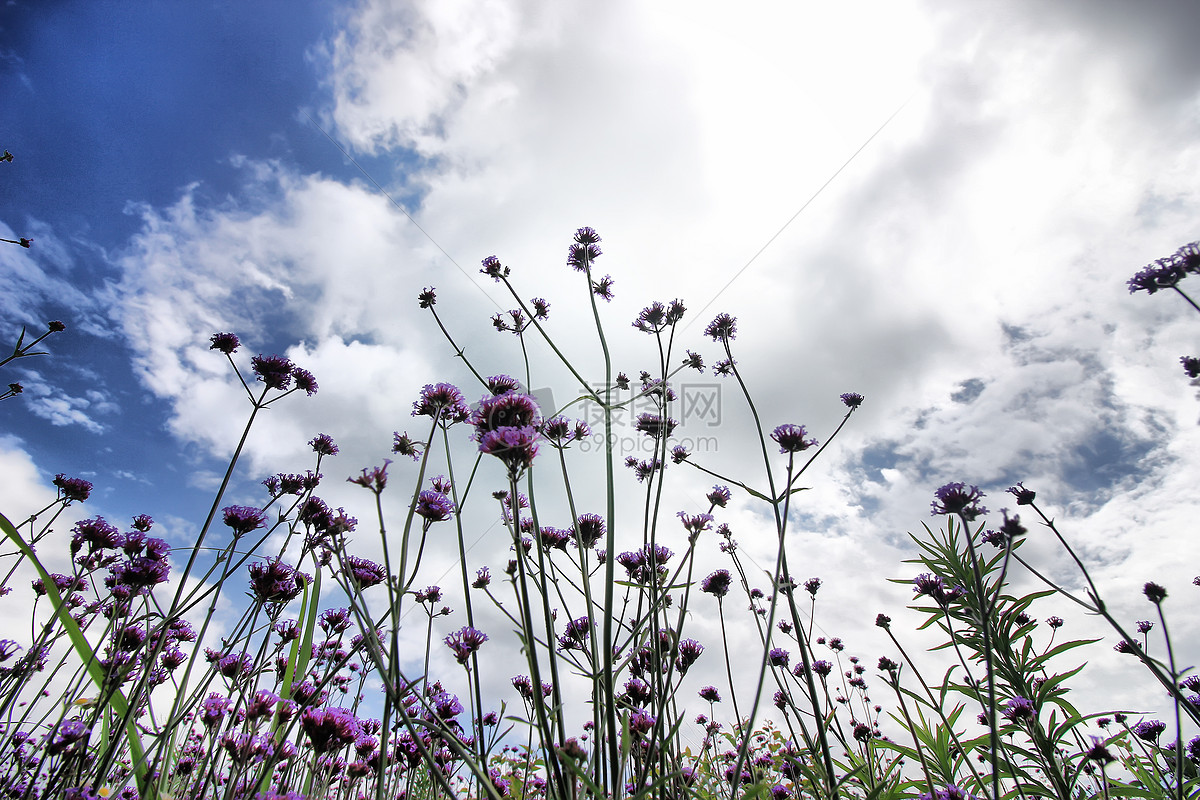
(322, 444)
(583, 251)
(330, 729)
(641, 723)
(235, 665)
(710, 694)
(72, 489)
(374, 478)
(434, 506)
(447, 706)
(778, 657)
(852, 399)
(1024, 496)
(717, 584)
(97, 534)
(958, 498)
(1191, 365)
(363, 573)
(509, 410)
(275, 582)
(140, 574)
(494, 269)
(822, 668)
(652, 319)
(722, 329)
(502, 384)
(274, 371)
(812, 585)
(695, 523)
(562, 431)
(482, 578)
(243, 519)
(465, 642)
(576, 634)
(790, 438)
(1019, 709)
(515, 447)
(1099, 753)
(587, 235)
(603, 288)
(1149, 730)
(553, 538)
(590, 529)
(304, 381)
(405, 446)
(1154, 593)
(637, 692)
(427, 298)
(68, 733)
(934, 587)
(442, 401)
(227, 343)
(8, 648)
(1164, 273)
(719, 496)
(213, 710)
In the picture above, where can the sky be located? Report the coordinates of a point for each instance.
(935, 205)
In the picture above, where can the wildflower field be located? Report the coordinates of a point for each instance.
(123, 685)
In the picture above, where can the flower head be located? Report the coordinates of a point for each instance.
(494, 269)
(227, 343)
(722, 329)
(1154, 593)
(603, 288)
(465, 642)
(852, 399)
(1164, 273)
(1149, 730)
(1019, 709)
(72, 489)
(434, 506)
(427, 298)
(958, 498)
(583, 251)
(791, 438)
(719, 496)
(322, 444)
(304, 381)
(274, 371)
(442, 401)
(275, 582)
(718, 583)
(515, 447)
(695, 523)
(243, 519)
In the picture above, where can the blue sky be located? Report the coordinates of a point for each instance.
(965, 271)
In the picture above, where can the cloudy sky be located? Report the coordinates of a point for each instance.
(934, 204)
